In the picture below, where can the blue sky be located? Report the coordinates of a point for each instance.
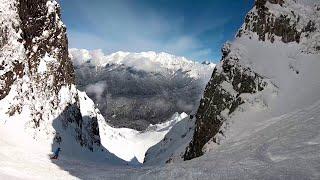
(195, 29)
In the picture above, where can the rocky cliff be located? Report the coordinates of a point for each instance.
(37, 76)
(271, 28)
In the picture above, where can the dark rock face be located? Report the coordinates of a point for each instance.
(41, 35)
(267, 26)
(217, 100)
(310, 27)
(16, 68)
(3, 37)
(9, 77)
(35, 22)
(85, 129)
(42, 29)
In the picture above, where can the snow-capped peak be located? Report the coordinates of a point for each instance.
(145, 61)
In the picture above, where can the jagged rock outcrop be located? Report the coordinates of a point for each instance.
(221, 97)
(37, 76)
(269, 22)
(43, 33)
(268, 26)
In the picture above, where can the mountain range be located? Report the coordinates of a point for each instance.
(134, 90)
(258, 117)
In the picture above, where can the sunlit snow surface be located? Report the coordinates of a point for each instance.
(128, 143)
(125, 143)
(285, 147)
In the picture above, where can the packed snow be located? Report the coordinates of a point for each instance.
(285, 146)
(129, 144)
(281, 147)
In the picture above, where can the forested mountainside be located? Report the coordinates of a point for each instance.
(134, 90)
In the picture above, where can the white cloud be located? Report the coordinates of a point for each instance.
(97, 89)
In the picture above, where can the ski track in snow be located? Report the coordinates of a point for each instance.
(287, 147)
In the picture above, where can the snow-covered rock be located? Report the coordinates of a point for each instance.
(171, 148)
(270, 69)
(37, 91)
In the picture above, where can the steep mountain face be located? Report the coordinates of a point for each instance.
(269, 69)
(37, 77)
(135, 90)
(269, 21)
(221, 98)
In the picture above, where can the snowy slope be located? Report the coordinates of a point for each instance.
(271, 66)
(38, 97)
(288, 44)
(171, 147)
(285, 146)
(282, 147)
(127, 144)
(23, 157)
